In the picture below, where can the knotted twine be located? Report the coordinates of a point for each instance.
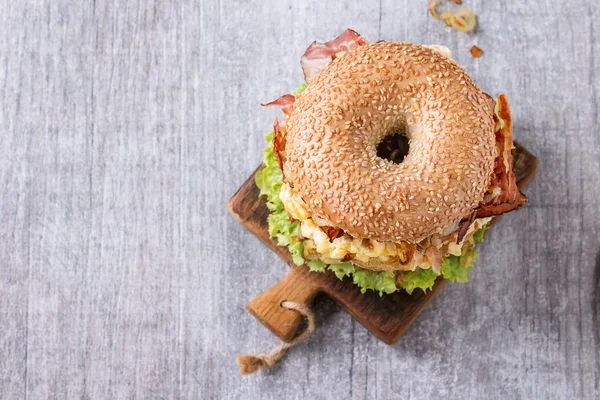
(252, 363)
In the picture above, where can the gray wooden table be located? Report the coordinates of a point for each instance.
(127, 125)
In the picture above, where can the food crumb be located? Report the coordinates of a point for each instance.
(464, 19)
(476, 52)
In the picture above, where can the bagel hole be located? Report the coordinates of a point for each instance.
(394, 147)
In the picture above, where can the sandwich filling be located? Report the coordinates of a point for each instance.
(320, 243)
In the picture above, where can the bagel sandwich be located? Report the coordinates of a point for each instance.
(389, 165)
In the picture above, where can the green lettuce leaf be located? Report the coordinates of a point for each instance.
(456, 268)
(382, 282)
(342, 269)
(317, 266)
(496, 110)
(296, 250)
(419, 279)
(298, 91)
(453, 271)
(269, 181)
(478, 236)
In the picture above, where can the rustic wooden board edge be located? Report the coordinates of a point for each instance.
(386, 317)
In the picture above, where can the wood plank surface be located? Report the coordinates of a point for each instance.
(127, 125)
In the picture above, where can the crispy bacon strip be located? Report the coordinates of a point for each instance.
(464, 227)
(285, 100)
(509, 196)
(318, 55)
(315, 59)
(332, 233)
(282, 101)
(278, 143)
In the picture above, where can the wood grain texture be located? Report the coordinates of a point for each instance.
(126, 126)
(296, 286)
(386, 317)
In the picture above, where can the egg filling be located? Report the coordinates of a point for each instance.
(426, 254)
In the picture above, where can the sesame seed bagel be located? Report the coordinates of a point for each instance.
(329, 143)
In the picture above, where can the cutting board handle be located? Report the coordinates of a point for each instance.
(297, 287)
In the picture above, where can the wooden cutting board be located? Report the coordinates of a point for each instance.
(387, 317)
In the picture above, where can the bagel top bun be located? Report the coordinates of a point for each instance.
(328, 145)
